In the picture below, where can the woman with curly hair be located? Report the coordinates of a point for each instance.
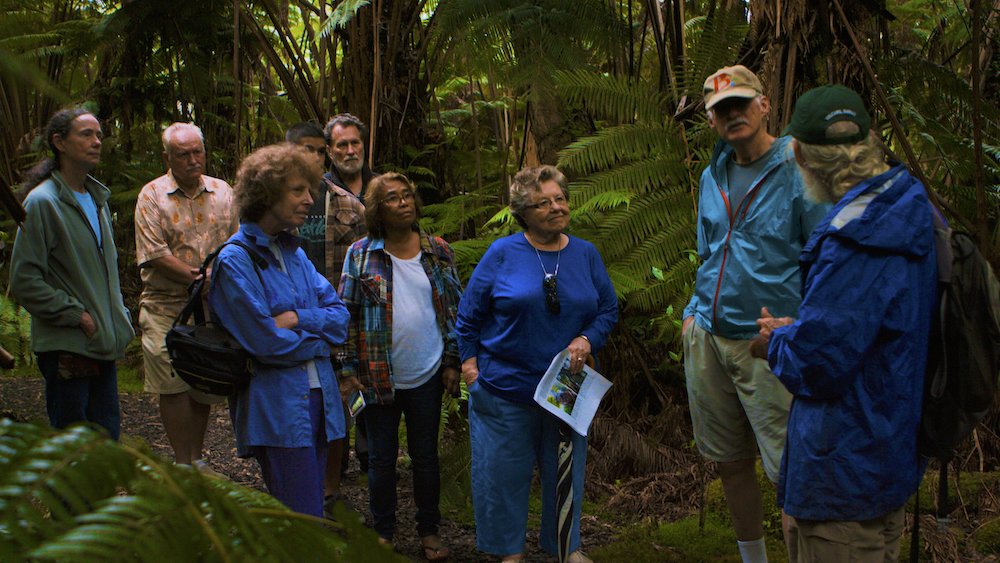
(287, 316)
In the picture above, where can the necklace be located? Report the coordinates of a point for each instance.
(549, 282)
(558, 258)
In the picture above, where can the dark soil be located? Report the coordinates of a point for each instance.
(23, 398)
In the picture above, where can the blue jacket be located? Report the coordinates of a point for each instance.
(753, 261)
(855, 358)
(274, 409)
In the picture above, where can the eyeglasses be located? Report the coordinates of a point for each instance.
(547, 204)
(395, 199)
(551, 298)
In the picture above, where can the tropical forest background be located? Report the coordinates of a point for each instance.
(461, 94)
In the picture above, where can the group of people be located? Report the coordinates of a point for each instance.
(806, 337)
(804, 341)
(356, 305)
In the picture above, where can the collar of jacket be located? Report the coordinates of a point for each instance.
(95, 188)
(724, 151)
(257, 236)
(428, 245)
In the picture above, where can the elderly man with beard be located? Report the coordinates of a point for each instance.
(854, 359)
(180, 218)
(753, 220)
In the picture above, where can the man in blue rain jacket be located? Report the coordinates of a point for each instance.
(854, 359)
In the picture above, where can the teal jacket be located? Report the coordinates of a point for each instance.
(58, 271)
(753, 261)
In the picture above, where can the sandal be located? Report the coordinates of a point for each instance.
(513, 558)
(434, 552)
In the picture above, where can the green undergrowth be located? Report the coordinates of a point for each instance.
(683, 541)
(687, 541)
(15, 337)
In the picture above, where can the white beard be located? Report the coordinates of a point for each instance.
(816, 189)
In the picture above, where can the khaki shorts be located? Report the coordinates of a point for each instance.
(738, 407)
(825, 541)
(160, 377)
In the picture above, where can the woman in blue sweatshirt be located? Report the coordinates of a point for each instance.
(533, 295)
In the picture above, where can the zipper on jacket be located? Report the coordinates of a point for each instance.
(734, 218)
(104, 260)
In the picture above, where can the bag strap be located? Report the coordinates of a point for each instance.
(194, 306)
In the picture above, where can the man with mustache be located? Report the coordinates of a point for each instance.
(347, 179)
(180, 218)
(335, 221)
(753, 221)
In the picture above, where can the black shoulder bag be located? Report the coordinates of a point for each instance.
(204, 354)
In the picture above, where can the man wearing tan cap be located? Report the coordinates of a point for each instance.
(753, 221)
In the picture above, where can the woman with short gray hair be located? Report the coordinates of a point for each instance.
(512, 321)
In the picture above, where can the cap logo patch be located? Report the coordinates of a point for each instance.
(722, 82)
(837, 112)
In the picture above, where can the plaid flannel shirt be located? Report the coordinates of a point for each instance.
(345, 225)
(366, 289)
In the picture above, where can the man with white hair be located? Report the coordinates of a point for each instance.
(753, 220)
(855, 357)
(180, 218)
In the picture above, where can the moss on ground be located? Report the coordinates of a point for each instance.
(970, 485)
(683, 542)
(987, 538)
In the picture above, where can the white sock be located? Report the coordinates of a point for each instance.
(753, 551)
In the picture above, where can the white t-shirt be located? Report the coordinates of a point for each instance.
(417, 345)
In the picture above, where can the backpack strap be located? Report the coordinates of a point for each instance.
(194, 306)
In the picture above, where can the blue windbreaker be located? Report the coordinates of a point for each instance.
(274, 409)
(855, 358)
(753, 261)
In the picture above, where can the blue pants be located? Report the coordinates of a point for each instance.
(84, 399)
(422, 408)
(295, 476)
(508, 439)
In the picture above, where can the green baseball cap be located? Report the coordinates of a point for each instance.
(819, 108)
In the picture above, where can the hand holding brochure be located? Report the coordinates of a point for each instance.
(572, 398)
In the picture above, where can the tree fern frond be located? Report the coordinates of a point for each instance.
(614, 145)
(75, 496)
(712, 44)
(618, 98)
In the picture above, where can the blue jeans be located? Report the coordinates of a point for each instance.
(508, 439)
(422, 409)
(295, 476)
(85, 399)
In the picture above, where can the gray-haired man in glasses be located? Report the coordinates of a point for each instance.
(753, 221)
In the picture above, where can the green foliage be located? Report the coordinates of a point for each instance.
(15, 330)
(987, 538)
(523, 42)
(683, 542)
(715, 503)
(342, 14)
(76, 496)
(637, 194)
